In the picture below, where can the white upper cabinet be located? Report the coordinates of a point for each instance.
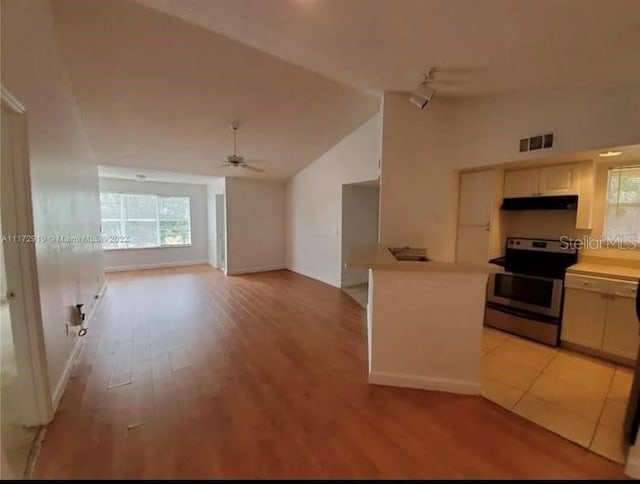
(545, 181)
(521, 183)
(559, 180)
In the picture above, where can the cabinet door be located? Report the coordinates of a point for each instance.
(521, 183)
(584, 318)
(559, 180)
(476, 198)
(473, 244)
(621, 328)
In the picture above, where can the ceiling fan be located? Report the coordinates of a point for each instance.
(235, 160)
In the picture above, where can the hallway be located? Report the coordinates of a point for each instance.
(188, 374)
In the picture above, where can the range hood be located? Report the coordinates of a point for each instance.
(565, 202)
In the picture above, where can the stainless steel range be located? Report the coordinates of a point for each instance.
(527, 299)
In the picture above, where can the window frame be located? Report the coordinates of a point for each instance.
(603, 171)
(122, 220)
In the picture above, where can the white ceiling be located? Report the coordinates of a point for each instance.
(481, 46)
(126, 173)
(159, 93)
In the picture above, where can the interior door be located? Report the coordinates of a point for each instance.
(25, 397)
(476, 198)
(477, 190)
(473, 245)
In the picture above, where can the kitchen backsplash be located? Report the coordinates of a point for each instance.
(552, 224)
(542, 224)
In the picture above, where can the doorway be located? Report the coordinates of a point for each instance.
(221, 240)
(25, 394)
(360, 225)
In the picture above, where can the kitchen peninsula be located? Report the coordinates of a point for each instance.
(424, 319)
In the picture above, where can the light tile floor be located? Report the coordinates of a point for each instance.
(578, 397)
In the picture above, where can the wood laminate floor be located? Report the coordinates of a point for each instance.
(188, 374)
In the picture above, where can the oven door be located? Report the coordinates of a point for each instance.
(540, 295)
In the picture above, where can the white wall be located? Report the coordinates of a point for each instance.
(255, 225)
(423, 149)
(64, 174)
(582, 119)
(314, 202)
(213, 189)
(359, 226)
(418, 187)
(198, 253)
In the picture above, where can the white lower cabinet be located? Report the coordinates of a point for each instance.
(599, 314)
(584, 317)
(621, 328)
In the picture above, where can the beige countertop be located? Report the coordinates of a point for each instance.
(377, 256)
(599, 267)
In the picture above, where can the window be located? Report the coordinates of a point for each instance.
(139, 220)
(622, 212)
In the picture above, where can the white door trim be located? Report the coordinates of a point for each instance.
(22, 275)
(221, 238)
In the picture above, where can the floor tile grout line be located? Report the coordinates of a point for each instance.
(526, 392)
(613, 375)
(596, 423)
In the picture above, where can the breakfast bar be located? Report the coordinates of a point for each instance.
(424, 319)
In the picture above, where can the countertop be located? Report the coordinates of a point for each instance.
(600, 267)
(377, 256)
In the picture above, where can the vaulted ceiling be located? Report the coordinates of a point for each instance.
(157, 92)
(159, 81)
(481, 46)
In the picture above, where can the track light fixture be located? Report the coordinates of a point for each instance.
(423, 94)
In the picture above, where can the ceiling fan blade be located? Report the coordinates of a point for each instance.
(253, 168)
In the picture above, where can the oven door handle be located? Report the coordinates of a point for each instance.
(526, 276)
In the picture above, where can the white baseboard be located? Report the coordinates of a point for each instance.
(314, 277)
(162, 265)
(425, 383)
(238, 272)
(77, 348)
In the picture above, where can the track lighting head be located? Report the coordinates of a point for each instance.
(423, 94)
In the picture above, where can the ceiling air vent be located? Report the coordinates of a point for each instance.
(542, 141)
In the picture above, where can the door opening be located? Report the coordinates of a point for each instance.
(25, 392)
(221, 240)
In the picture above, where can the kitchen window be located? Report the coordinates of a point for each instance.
(133, 220)
(622, 211)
